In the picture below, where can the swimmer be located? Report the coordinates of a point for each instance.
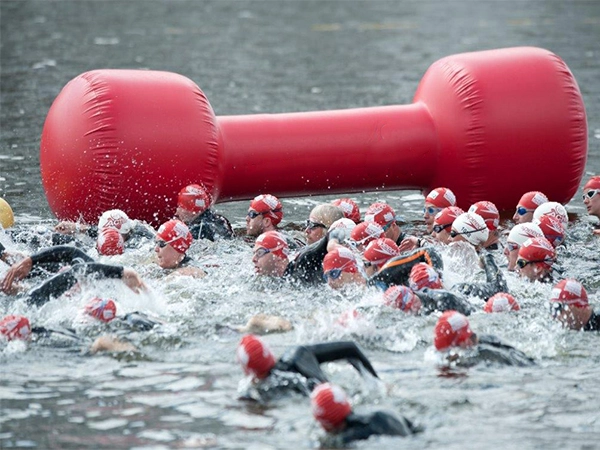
(470, 227)
(377, 253)
(501, 302)
(194, 209)
(591, 199)
(332, 409)
(570, 306)
(461, 347)
(298, 369)
(491, 216)
(552, 229)
(519, 234)
(385, 216)
(527, 205)
(397, 270)
(536, 260)
(435, 201)
(319, 220)
(341, 268)
(363, 233)
(425, 301)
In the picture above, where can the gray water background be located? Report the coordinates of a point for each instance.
(261, 57)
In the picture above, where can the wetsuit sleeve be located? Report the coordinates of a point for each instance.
(396, 271)
(301, 360)
(60, 254)
(443, 300)
(334, 351)
(211, 226)
(63, 281)
(492, 349)
(495, 281)
(308, 264)
(2, 250)
(380, 423)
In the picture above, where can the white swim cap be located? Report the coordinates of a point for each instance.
(472, 227)
(523, 231)
(115, 218)
(554, 209)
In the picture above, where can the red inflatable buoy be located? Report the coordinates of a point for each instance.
(489, 125)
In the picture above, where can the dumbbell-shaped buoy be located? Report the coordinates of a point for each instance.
(489, 125)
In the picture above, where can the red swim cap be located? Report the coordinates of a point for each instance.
(194, 198)
(570, 292)
(451, 330)
(593, 183)
(488, 211)
(552, 228)
(177, 234)
(538, 249)
(349, 208)
(274, 242)
(269, 206)
(340, 258)
(401, 297)
(15, 327)
(501, 302)
(115, 218)
(422, 275)
(447, 215)
(110, 242)
(380, 251)
(255, 356)
(103, 309)
(330, 406)
(382, 213)
(365, 232)
(531, 200)
(441, 198)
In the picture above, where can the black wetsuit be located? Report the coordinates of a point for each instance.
(593, 324)
(443, 300)
(397, 270)
(363, 426)
(492, 350)
(210, 225)
(299, 370)
(495, 281)
(307, 265)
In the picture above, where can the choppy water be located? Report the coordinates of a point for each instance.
(180, 392)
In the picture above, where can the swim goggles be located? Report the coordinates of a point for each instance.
(455, 233)
(440, 228)
(590, 194)
(521, 210)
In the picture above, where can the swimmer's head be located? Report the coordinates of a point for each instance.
(110, 242)
(269, 206)
(452, 330)
(7, 218)
(15, 327)
(489, 212)
(441, 198)
(570, 292)
(340, 267)
(554, 209)
(365, 232)
(536, 252)
(194, 199)
(501, 302)
(349, 208)
(381, 213)
(103, 309)
(552, 228)
(470, 227)
(527, 205)
(379, 252)
(345, 226)
(176, 234)
(115, 218)
(255, 356)
(402, 298)
(422, 276)
(330, 406)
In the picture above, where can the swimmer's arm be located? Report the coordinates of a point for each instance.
(111, 344)
(59, 254)
(333, 351)
(190, 271)
(67, 227)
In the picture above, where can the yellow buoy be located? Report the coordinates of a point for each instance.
(7, 218)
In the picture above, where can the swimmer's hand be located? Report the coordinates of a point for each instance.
(17, 271)
(133, 281)
(263, 324)
(409, 243)
(111, 344)
(66, 227)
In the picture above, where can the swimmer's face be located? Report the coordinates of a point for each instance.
(254, 223)
(429, 212)
(167, 257)
(532, 271)
(443, 233)
(266, 263)
(315, 230)
(592, 203)
(511, 251)
(522, 218)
